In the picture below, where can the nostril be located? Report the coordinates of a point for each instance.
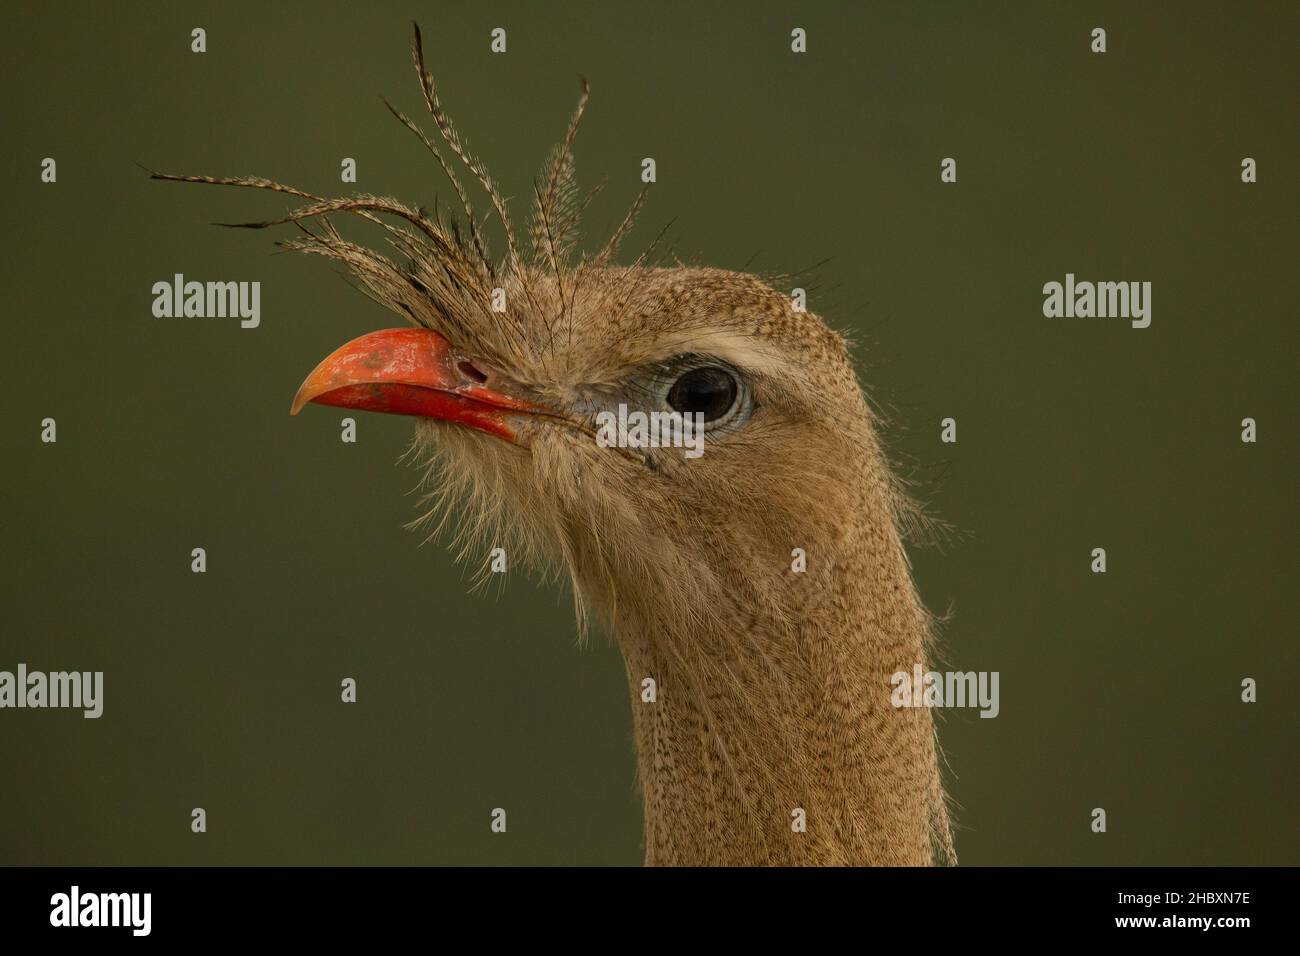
(467, 368)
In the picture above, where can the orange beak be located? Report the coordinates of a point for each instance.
(411, 372)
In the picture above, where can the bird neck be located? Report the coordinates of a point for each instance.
(768, 737)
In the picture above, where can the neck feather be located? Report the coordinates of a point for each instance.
(771, 738)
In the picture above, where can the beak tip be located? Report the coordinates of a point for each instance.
(299, 400)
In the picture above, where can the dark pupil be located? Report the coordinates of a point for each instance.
(709, 390)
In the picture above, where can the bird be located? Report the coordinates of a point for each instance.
(760, 592)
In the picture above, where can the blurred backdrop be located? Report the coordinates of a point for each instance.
(222, 689)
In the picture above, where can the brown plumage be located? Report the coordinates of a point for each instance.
(773, 686)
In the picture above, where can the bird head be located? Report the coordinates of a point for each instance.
(521, 419)
(515, 368)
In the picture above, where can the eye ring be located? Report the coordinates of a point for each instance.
(707, 387)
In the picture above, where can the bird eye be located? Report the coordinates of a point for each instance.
(709, 390)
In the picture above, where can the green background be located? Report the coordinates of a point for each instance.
(222, 690)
